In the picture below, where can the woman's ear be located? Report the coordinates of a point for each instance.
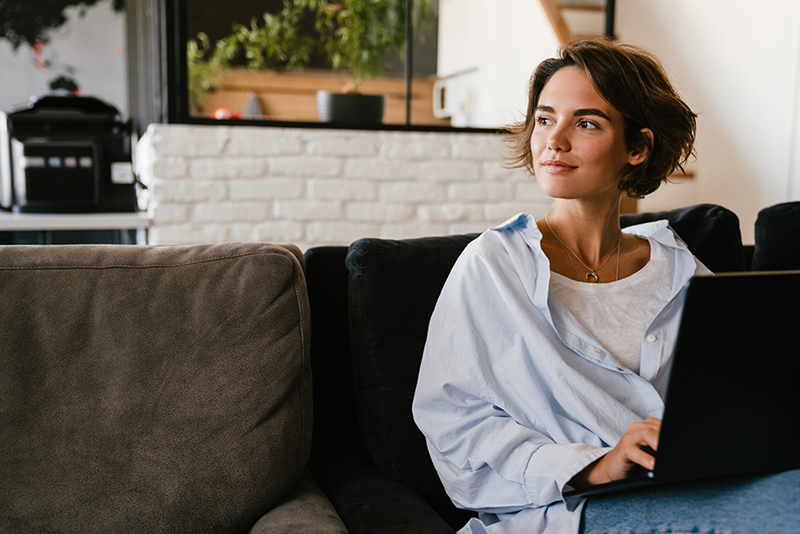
(639, 154)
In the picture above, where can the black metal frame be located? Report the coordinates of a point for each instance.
(409, 66)
(177, 77)
(157, 76)
(611, 10)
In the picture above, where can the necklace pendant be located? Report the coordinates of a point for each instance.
(591, 276)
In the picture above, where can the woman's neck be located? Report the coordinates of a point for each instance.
(586, 243)
(591, 232)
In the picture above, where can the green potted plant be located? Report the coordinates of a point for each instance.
(274, 43)
(354, 35)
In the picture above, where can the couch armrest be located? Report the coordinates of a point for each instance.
(304, 510)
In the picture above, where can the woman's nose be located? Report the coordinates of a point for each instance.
(558, 140)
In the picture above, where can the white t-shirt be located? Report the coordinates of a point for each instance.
(618, 313)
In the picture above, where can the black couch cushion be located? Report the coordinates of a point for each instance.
(777, 245)
(393, 289)
(367, 500)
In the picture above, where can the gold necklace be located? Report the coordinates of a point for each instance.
(591, 275)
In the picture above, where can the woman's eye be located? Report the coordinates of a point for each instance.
(587, 125)
(542, 121)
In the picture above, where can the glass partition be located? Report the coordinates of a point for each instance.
(297, 60)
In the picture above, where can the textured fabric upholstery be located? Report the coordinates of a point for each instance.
(777, 245)
(305, 509)
(393, 288)
(367, 501)
(150, 389)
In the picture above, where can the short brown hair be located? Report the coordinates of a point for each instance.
(635, 83)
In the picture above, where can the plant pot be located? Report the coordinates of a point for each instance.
(350, 108)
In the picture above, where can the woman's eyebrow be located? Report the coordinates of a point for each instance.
(578, 112)
(591, 111)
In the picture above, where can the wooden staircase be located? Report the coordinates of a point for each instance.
(573, 19)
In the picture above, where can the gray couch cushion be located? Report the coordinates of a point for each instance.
(304, 510)
(148, 389)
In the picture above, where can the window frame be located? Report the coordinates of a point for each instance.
(158, 86)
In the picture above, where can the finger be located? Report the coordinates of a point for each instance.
(642, 458)
(644, 434)
(650, 438)
(653, 423)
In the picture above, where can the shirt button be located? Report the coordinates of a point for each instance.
(651, 338)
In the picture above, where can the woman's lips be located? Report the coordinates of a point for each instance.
(556, 166)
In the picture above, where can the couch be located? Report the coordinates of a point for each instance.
(156, 389)
(168, 389)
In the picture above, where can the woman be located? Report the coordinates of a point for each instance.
(548, 352)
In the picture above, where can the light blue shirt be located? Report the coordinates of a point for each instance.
(515, 397)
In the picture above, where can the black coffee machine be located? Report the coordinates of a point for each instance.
(62, 154)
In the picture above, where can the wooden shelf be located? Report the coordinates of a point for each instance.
(292, 96)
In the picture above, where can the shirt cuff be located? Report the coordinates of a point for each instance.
(552, 467)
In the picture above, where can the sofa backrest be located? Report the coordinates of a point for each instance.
(149, 389)
(777, 238)
(393, 288)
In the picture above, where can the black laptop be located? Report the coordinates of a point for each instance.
(733, 398)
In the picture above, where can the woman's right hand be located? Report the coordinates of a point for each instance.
(634, 452)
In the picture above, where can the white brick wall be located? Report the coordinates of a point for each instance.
(325, 187)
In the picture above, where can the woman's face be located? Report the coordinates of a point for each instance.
(577, 142)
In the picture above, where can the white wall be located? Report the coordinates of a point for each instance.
(497, 45)
(736, 62)
(89, 47)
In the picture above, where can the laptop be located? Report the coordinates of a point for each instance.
(732, 405)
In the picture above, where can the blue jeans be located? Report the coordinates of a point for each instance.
(759, 505)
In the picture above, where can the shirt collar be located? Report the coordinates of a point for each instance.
(538, 288)
(657, 230)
